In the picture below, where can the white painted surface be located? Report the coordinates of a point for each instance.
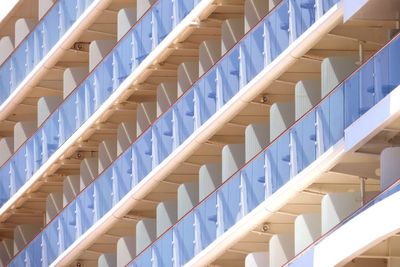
(334, 70)
(143, 6)
(166, 214)
(281, 249)
(126, 133)
(209, 179)
(6, 251)
(22, 131)
(72, 78)
(188, 73)
(390, 167)
(22, 234)
(281, 117)
(71, 187)
(107, 153)
(367, 229)
(233, 158)
(126, 19)
(307, 95)
(88, 171)
(254, 10)
(231, 32)
(166, 96)
(188, 197)
(22, 28)
(54, 203)
(307, 229)
(145, 233)
(257, 137)
(337, 206)
(6, 7)
(98, 49)
(6, 148)
(44, 6)
(146, 114)
(107, 260)
(209, 53)
(6, 48)
(373, 121)
(46, 106)
(257, 259)
(126, 250)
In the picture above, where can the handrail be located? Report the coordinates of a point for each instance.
(348, 218)
(266, 148)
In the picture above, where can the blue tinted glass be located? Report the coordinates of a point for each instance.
(205, 97)
(304, 142)
(103, 193)
(228, 197)
(206, 223)
(252, 55)
(162, 138)
(381, 71)
(184, 240)
(327, 4)
(50, 243)
(253, 183)
(352, 99)
(122, 175)
(162, 250)
(68, 226)
(277, 31)
(85, 210)
(184, 118)
(394, 57)
(304, 14)
(142, 157)
(229, 71)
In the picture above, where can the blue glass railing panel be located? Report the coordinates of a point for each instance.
(327, 4)
(304, 141)
(183, 234)
(163, 20)
(145, 259)
(205, 217)
(205, 98)
(4, 185)
(276, 30)
(253, 183)
(163, 251)
(33, 255)
(85, 210)
(142, 157)
(184, 118)
(162, 138)
(304, 15)
(103, 194)
(58, 20)
(50, 243)
(229, 204)
(229, 70)
(252, 55)
(68, 226)
(122, 176)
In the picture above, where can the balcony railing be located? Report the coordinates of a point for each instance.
(78, 107)
(287, 155)
(304, 256)
(238, 67)
(50, 29)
